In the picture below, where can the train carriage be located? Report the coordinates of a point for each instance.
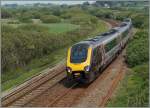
(86, 59)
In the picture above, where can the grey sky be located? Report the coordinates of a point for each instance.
(54, 2)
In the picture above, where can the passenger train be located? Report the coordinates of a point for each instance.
(86, 59)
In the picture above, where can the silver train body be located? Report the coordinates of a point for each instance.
(103, 49)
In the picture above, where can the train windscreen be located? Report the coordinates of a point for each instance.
(79, 53)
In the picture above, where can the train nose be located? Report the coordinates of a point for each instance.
(77, 67)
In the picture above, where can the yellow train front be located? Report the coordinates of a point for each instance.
(78, 62)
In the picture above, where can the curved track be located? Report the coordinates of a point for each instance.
(51, 89)
(75, 94)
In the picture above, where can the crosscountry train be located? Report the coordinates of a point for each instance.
(86, 59)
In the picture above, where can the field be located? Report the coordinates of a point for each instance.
(60, 27)
(55, 28)
(13, 78)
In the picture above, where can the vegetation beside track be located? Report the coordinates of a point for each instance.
(31, 47)
(134, 89)
(138, 49)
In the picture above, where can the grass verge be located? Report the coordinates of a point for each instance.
(133, 90)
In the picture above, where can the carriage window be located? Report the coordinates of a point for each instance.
(110, 45)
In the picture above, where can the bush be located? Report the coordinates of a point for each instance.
(23, 44)
(50, 19)
(137, 49)
(140, 20)
(102, 13)
(25, 19)
(80, 20)
(5, 13)
(66, 15)
(84, 19)
(13, 22)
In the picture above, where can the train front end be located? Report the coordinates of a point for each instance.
(78, 61)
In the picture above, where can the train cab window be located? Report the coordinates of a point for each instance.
(79, 53)
(110, 45)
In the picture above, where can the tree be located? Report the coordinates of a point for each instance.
(25, 19)
(86, 3)
(50, 19)
(5, 13)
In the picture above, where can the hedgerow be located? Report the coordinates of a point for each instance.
(50, 19)
(137, 50)
(21, 45)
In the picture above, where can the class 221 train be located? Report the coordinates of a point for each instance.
(87, 59)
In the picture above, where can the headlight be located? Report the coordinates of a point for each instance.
(68, 69)
(87, 68)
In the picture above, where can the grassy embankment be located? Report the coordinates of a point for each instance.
(133, 90)
(16, 77)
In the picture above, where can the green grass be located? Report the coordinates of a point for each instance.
(60, 27)
(16, 77)
(101, 27)
(133, 90)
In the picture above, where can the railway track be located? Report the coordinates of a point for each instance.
(61, 96)
(74, 95)
(47, 87)
(112, 87)
(26, 95)
(34, 88)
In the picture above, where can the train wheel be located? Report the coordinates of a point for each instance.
(100, 69)
(91, 77)
(69, 77)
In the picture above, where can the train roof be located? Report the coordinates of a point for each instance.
(107, 36)
(100, 38)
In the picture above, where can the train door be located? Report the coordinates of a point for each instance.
(120, 44)
(97, 58)
(103, 55)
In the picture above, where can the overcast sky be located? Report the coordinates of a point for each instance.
(40, 1)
